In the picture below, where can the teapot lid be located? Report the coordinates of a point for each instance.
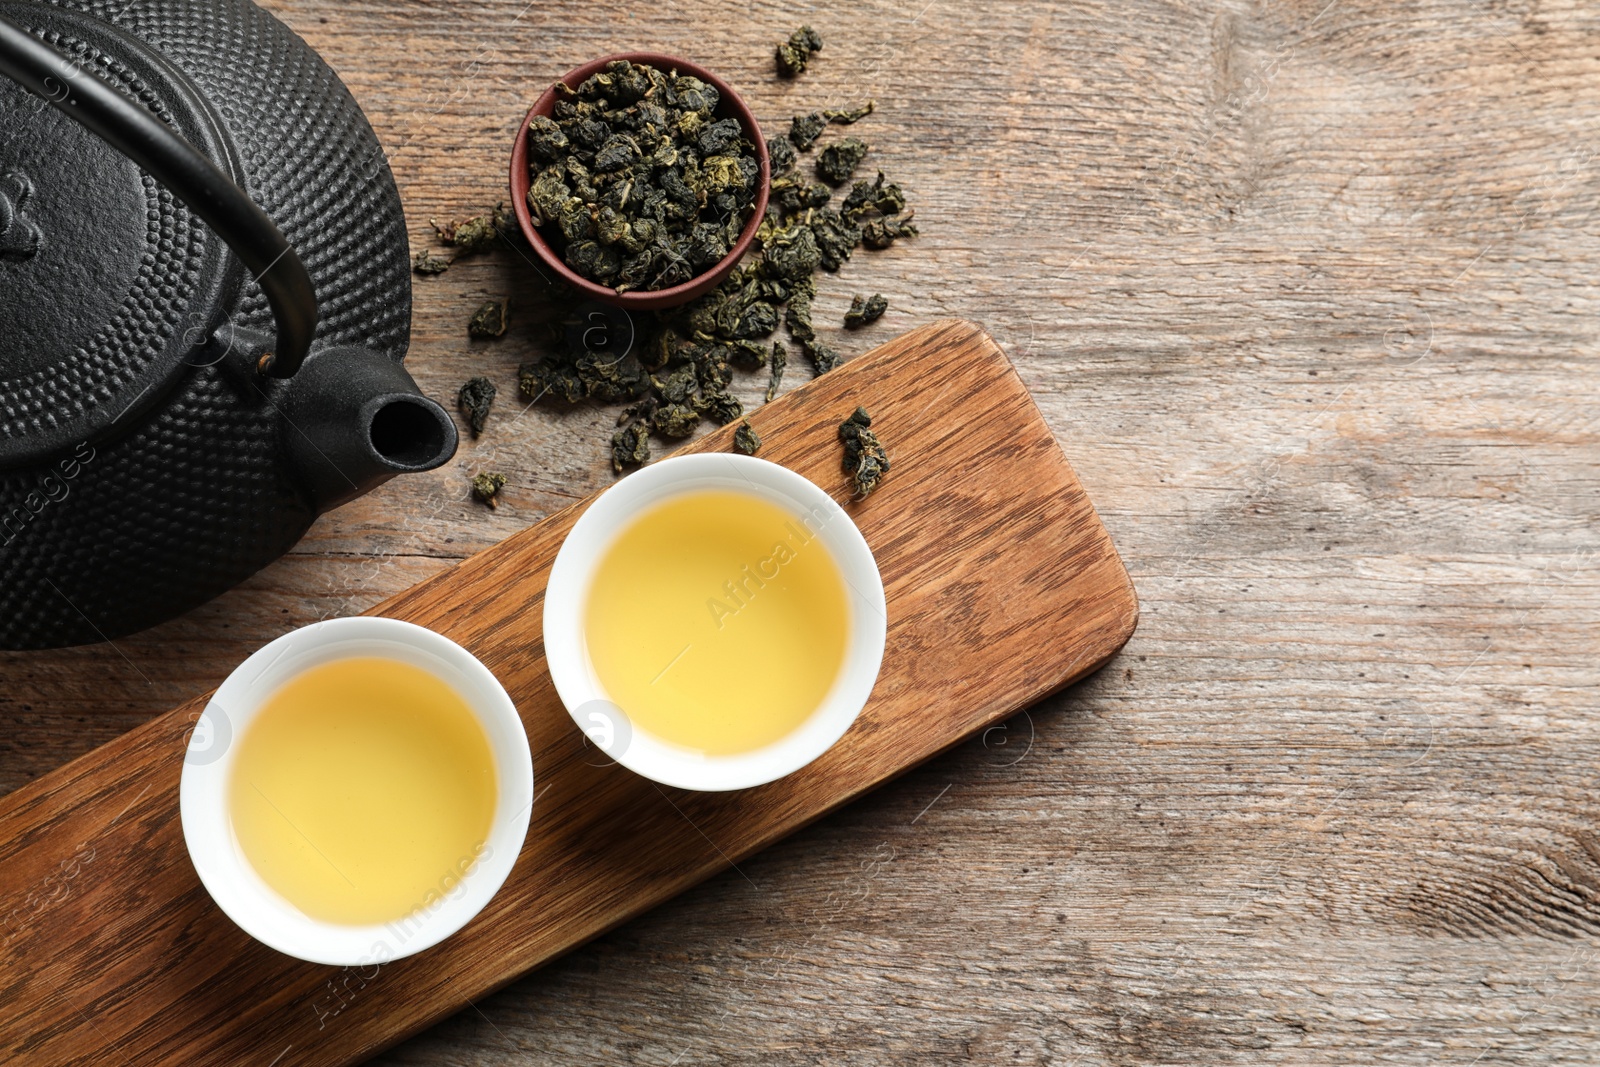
(109, 286)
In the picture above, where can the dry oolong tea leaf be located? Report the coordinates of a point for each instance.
(474, 400)
(881, 233)
(864, 310)
(746, 440)
(864, 457)
(489, 320)
(630, 446)
(836, 238)
(793, 54)
(425, 262)
(781, 154)
(823, 356)
(805, 129)
(486, 487)
(473, 235)
(837, 161)
(778, 361)
(850, 115)
(873, 198)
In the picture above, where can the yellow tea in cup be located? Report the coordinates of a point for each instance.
(717, 621)
(363, 788)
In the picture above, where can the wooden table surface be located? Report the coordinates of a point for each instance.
(1305, 291)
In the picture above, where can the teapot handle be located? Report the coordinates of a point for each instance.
(194, 179)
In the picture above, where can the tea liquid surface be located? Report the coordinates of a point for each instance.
(362, 786)
(717, 621)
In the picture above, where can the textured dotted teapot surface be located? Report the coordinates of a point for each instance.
(182, 490)
(114, 279)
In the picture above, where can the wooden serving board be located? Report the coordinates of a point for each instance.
(1002, 587)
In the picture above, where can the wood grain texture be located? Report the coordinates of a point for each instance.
(1002, 587)
(1306, 292)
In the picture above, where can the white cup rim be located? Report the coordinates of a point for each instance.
(228, 876)
(580, 690)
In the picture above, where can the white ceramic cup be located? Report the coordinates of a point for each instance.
(208, 831)
(566, 598)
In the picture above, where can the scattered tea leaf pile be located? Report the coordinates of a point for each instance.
(644, 186)
(636, 180)
(681, 361)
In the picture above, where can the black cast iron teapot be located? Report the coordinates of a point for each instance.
(173, 411)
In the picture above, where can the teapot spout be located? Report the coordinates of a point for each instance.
(353, 418)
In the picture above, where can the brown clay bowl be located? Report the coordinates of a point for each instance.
(728, 106)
